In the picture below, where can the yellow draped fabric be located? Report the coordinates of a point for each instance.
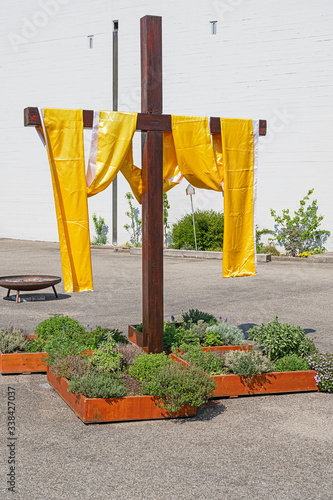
(238, 241)
(63, 133)
(221, 163)
(115, 133)
(194, 151)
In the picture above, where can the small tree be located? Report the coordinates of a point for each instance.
(300, 233)
(135, 227)
(101, 230)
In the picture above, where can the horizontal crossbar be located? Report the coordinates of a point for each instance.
(145, 121)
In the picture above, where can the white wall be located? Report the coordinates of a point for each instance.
(269, 59)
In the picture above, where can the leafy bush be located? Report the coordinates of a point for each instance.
(12, 339)
(106, 358)
(259, 233)
(60, 347)
(270, 249)
(174, 386)
(291, 363)
(323, 364)
(315, 251)
(301, 232)
(209, 230)
(210, 362)
(98, 385)
(281, 339)
(58, 324)
(146, 367)
(223, 334)
(247, 363)
(194, 315)
(70, 366)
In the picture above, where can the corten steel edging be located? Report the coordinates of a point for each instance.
(145, 121)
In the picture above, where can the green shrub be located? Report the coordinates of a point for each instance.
(209, 230)
(281, 339)
(60, 347)
(270, 249)
(247, 363)
(291, 363)
(70, 366)
(12, 339)
(223, 334)
(146, 366)
(194, 315)
(98, 385)
(210, 362)
(323, 364)
(106, 358)
(58, 324)
(301, 232)
(174, 386)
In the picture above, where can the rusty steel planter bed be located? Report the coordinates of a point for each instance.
(137, 338)
(22, 362)
(231, 385)
(98, 410)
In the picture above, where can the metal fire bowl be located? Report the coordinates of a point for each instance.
(27, 282)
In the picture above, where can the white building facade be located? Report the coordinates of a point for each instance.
(268, 59)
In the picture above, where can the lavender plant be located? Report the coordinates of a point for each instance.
(322, 363)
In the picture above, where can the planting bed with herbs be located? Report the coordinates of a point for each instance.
(101, 363)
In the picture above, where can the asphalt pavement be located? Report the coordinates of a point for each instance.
(262, 447)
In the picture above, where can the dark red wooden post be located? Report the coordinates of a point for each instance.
(152, 176)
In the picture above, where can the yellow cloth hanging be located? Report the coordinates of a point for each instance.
(63, 133)
(115, 133)
(195, 155)
(238, 241)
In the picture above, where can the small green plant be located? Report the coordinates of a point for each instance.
(194, 315)
(135, 226)
(174, 386)
(300, 233)
(12, 340)
(98, 385)
(211, 362)
(70, 366)
(101, 230)
(106, 358)
(291, 363)
(209, 227)
(247, 363)
(282, 339)
(146, 367)
(322, 363)
(57, 326)
(223, 334)
(259, 233)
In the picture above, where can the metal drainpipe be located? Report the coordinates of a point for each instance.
(115, 108)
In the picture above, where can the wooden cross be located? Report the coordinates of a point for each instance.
(152, 124)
